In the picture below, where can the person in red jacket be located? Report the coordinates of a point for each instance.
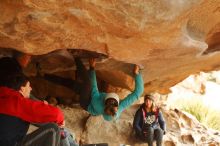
(17, 112)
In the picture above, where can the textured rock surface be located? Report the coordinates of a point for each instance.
(182, 129)
(170, 38)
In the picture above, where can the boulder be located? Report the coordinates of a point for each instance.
(170, 39)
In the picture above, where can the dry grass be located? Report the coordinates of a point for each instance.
(204, 114)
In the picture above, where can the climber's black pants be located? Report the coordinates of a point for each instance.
(81, 85)
(85, 86)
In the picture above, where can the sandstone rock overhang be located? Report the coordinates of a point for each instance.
(171, 39)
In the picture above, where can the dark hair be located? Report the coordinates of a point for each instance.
(15, 81)
(111, 101)
(11, 74)
(9, 66)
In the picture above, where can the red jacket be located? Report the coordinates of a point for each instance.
(14, 104)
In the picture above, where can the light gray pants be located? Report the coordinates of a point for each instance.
(46, 135)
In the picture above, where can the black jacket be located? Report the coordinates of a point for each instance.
(12, 130)
(153, 119)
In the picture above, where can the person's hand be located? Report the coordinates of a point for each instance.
(45, 102)
(92, 62)
(136, 69)
(62, 125)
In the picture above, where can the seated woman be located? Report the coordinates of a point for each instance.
(93, 101)
(149, 123)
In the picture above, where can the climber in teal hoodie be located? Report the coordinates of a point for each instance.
(108, 104)
(98, 103)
